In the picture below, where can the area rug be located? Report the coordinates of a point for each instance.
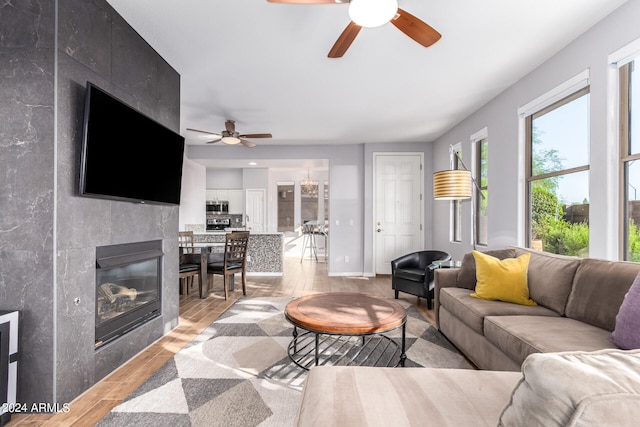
(237, 371)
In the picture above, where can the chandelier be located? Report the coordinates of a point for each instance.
(308, 186)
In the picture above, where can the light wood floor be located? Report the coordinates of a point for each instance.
(196, 314)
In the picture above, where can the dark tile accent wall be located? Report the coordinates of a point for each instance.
(93, 43)
(26, 185)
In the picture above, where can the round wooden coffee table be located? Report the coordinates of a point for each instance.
(332, 320)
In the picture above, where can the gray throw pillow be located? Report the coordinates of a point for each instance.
(467, 273)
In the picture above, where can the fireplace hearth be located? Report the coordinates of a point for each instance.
(128, 288)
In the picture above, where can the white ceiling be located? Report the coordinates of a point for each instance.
(265, 65)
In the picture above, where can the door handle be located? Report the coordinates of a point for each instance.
(379, 230)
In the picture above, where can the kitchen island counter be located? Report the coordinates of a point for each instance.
(265, 251)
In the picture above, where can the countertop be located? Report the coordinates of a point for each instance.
(264, 252)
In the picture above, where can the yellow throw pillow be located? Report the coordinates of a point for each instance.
(502, 280)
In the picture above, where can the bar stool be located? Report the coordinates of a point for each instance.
(324, 232)
(309, 240)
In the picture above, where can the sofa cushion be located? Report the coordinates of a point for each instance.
(577, 389)
(467, 272)
(502, 280)
(627, 332)
(520, 336)
(365, 396)
(598, 290)
(550, 278)
(472, 311)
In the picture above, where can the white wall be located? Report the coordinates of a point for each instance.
(256, 178)
(193, 194)
(224, 178)
(590, 51)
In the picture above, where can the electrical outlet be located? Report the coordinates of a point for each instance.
(346, 259)
(248, 258)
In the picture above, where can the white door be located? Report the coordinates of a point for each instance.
(256, 210)
(398, 207)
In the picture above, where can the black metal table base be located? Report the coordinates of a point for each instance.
(312, 349)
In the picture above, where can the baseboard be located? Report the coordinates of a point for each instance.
(347, 274)
(270, 274)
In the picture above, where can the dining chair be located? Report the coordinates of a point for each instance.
(189, 261)
(233, 261)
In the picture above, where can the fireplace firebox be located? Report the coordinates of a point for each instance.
(128, 288)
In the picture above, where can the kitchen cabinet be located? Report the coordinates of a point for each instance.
(222, 195)
(236, 202)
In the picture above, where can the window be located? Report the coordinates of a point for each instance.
(456, 205)
(286, 203)
(482, 196)
(557, 175)
(630, 158)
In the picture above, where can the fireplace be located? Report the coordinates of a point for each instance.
(128, 288)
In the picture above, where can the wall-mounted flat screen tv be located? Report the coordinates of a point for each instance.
(127, 155)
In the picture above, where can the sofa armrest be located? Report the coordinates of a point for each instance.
(443, 278)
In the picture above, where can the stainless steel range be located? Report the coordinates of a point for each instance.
(214, 223)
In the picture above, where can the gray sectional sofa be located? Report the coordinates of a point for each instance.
(568, 389)
(578, 300)
(545, 365)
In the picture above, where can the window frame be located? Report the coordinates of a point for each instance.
(624, 85)
(455, 220)
(477, 141)
(528, 155)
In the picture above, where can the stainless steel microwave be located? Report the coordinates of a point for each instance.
(217, 207)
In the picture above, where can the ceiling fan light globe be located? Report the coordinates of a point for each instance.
(372, 13)
(231, 140)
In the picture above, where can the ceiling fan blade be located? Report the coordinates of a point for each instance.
(256, 135)
(344, 41)
(202, 131)
(415, 28)
(308, 1)
(247, 143)
(230, 125)
(213, 141)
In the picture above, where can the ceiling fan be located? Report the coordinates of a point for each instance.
(231, 136)
(373, 13)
